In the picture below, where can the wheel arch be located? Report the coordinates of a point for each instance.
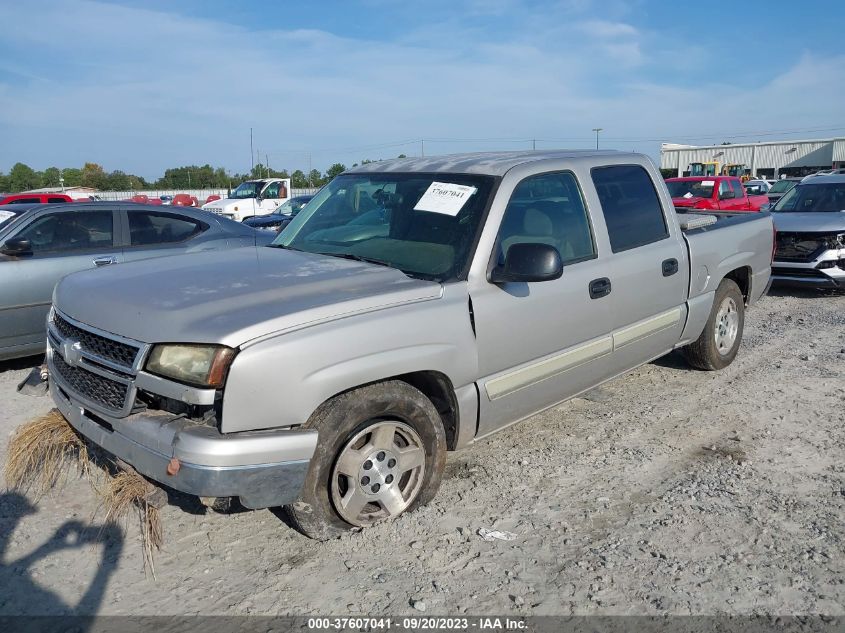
(742, 277)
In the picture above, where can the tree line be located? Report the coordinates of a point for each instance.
(24, 178)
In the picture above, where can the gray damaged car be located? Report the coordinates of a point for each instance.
(412, 308)
(810, 222)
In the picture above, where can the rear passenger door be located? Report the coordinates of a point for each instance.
(149, 234)
(541, 342)
(63, 242)
(647, 267)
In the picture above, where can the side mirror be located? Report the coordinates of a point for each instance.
(766, 207)
(16, 246)
(529, 262)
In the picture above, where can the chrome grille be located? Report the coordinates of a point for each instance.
(108, 349)
(93, 387)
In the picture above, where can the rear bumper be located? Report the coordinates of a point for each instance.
(262, 468)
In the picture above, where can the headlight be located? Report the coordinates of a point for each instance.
(200, 365)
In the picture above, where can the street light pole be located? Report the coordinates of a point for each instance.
(597, 130)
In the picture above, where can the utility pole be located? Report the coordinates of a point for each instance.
(597, 130)
(251, 153)
(309, 170)
(422, 148)
(267, 164)
(534, 144)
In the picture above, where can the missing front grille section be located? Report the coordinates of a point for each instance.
(204, 414)
(114, 351)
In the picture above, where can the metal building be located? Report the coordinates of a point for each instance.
(765, 160)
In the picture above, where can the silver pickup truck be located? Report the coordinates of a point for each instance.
(413, 307)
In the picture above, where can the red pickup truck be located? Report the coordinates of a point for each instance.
(34, 198)
(723, 193)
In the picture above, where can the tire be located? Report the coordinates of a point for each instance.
(367, 437)
(719, 343)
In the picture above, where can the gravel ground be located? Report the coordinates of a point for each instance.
(667, 491)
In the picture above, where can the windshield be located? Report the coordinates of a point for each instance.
(691, 188)
(422, 224)
(782, 186)
(248, 189)
(813, 198)
(6, 217)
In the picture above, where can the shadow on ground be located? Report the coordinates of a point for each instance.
(22, 595)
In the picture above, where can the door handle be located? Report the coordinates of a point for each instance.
(599, 288)
(105, 261)
(670, 267)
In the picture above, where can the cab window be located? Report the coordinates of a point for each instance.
(548, 209)
(631, 208)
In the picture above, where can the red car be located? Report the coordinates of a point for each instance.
(722, 193)
(34, 198)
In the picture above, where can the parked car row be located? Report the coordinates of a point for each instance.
(328, 368)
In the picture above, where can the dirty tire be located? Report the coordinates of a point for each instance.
(705, 352)
(342, 418)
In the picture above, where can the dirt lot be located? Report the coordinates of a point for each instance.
(668, 491)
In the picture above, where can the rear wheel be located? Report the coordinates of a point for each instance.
(380, 452)
(719, 343)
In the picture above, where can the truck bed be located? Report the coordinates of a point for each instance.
(724, 242)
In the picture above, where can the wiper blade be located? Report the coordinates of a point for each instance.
(359, 258)
(287, 248)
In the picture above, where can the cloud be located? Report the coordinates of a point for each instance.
(141, 90)
(606, 29)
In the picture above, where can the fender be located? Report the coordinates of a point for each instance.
(280, 381)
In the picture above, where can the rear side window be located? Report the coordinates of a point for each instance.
(50, 200)
(739, 190)
(24, 201)
(146, 228)
(630, 205)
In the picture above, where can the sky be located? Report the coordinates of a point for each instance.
(142, 86)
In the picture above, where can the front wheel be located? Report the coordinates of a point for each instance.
(718, 344)
(381, 451)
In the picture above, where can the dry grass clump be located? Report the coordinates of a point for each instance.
(40, 452)
(126, 491)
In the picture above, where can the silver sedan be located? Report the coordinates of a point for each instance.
(39, 245)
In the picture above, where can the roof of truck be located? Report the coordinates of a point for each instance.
(486, 163)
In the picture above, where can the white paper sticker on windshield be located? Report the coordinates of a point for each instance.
(687, 195)
(708, 183)
(444, 197)
(5, 215)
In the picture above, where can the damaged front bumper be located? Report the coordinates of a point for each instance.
(262, 468)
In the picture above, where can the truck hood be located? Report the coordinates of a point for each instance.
(797, 222)
(231, 297)
(246, 206)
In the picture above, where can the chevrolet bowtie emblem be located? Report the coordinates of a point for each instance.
(72, 352)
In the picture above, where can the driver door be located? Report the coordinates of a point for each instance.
(542, 342)
(269, 198)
